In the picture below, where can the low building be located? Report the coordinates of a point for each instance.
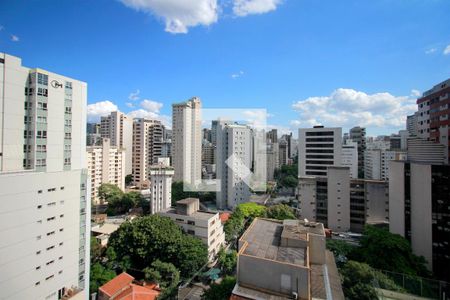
(103, 232)
(205, 225)
(123, 287)
(285, 260)
(106, 164)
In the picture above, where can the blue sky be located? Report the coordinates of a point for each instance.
(338, 63)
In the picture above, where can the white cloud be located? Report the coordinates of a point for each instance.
(415, 93)
(134, 95)
(430, 51)
(237, 75)
(152, 106)
(242, 8)
(150, 109)
(14, 38)
(99, 109)
(178, 15)
(129, 104)
(347, 108)
(447, 50)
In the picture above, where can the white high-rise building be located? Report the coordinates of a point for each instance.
(377, 161)
(187, 141)
(273, 160)
(319, 148)
(44, 195)
(234, 157)
(160, 187)
(106, 164)
(147, 148)
(350, 157)
(118, 127)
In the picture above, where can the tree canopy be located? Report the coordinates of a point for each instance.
(280, 212)
(227, 260)
(99, 276)
(359, 280)
(387, 251)
(251, 210)
(221, 291)
(140, 242)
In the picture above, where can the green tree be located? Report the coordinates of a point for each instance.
(387, 251)
(227, 260)
(221, 291)
(341, 250)
(280, 212)
(251, 210)
(150, 238)
(235, 225)
(163, 273)
(289, 181)
(99, 275)
(109, 192)
(96, 250)
(178, 193)
(128, 179)
(359, 280)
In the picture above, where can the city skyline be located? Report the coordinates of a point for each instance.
(317, 68)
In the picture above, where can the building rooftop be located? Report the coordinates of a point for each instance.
(199, 215)
(116, 284)
(187, 201)
(264, 239)
(105, 228)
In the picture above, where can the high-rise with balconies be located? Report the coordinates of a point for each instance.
(44, 196)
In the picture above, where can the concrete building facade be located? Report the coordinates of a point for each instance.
(118, 127)
(318, 149)
(147, 148)
(187, 141)
(106, 164)
(419, 210)
(44, 195)
(234, 157)
(350, 157)
(358, 135)
(285, 260)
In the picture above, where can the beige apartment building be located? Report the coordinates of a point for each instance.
(147, 148)
(118, 127)
(204, 225)
(106, 164)
(285, 260)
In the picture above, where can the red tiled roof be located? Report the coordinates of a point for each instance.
(116, 284)
(224, 217)
(137, 292)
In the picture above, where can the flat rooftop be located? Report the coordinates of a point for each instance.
(263, 238)
(187, 201)
(199, 215)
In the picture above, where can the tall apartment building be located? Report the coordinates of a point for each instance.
(358, 134)
(187, 141)
(272, 136)
(350, 157)
(434, 115)
(273, 160)
(160, 187)
(318, 149)
(412, 124)
(204, 225)
(376, 163)
(419, 210)
(106, 164)
(147, 148)
(285, 260)
(234, 157)
(341, 203)
(288, 139)
(44, 195)
(425, 151)
(283, 152)
(118, 127)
